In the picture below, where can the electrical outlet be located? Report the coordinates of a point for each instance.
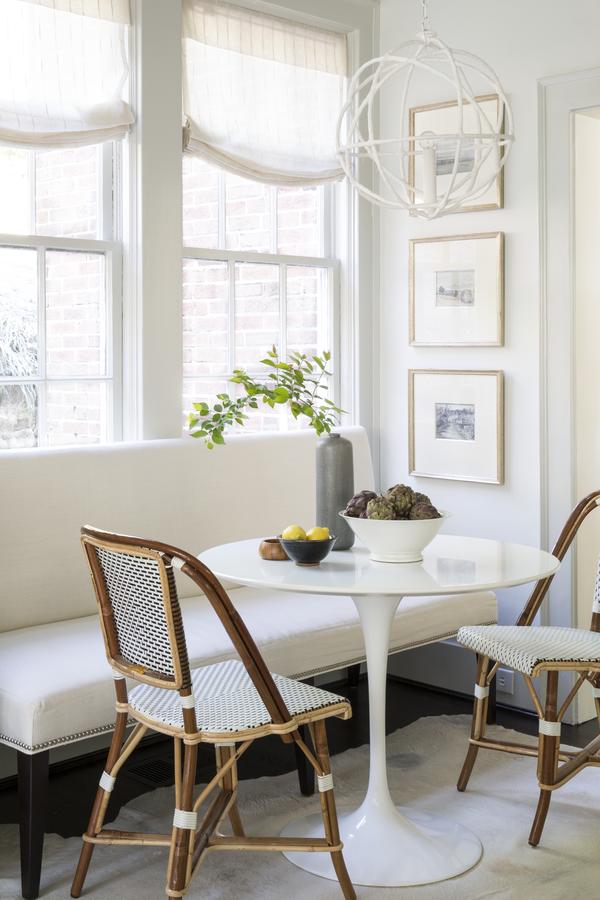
(505, 681)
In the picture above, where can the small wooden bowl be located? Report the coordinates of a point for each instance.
(271, 549)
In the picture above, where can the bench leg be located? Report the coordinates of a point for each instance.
(353, 675)
(306, 773)
(33, 792)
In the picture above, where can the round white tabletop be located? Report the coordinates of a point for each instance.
(383, 844)
(450, 565)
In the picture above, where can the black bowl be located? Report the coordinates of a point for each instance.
(308, 553)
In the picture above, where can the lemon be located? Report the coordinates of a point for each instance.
(318, 533)
(294, 533)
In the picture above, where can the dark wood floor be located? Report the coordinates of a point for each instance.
(73, 784)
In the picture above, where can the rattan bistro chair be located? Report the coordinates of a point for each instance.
(228, 704)
(532, 651)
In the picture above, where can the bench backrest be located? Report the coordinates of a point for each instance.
(174, 491)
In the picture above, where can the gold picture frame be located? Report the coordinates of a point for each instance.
(473, 323)
(426, 110)
(448, 437)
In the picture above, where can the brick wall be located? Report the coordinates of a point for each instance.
(67, 204)
(62, 196)
(257, 218)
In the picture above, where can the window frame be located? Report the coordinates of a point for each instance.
(110, 247)
(283, 261)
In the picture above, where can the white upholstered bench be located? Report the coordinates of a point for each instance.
(181, 493)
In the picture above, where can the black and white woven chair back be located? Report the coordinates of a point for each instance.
(140, 613)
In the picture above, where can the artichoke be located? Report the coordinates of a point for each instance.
(357, 506)
(402, 499)
(424, 510)
(380, 508)
(420, 498)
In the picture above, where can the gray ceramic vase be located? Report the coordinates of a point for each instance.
(335, 486)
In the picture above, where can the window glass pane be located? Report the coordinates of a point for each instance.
(299, 225)
(307, 322)
(262, 419)
(66, 192)
(15, 191)
(247, 214)
(75, 314)
(18, 416)
(200, 203)
(256, 312)
(205, 317)
(76, 412)
(198, 390)
(18, 312)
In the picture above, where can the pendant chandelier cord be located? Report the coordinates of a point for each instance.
(425, 23)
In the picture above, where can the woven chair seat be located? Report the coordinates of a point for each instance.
(523, 648)
(227, 701)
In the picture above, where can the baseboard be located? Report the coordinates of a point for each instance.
(450, 692)
(446, 664)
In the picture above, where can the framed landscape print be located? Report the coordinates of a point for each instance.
(442, 118)
(456, 291)
(456, 424)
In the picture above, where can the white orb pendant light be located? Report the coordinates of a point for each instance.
(406, 166)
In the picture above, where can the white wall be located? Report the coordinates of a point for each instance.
(523, 42)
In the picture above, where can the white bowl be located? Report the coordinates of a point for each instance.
(396, 540)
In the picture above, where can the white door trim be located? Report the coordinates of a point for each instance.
(559, 98)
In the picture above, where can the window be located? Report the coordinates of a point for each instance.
(59, 297)
(257, 271)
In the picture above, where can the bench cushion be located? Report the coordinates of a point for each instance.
(56, 686)
(174, 491)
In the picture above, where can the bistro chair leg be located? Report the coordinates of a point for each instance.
(223, 752)
(182, 839)
(548, 747)
(330, 820)
(479, 721)
(100, 804)
(596, 688)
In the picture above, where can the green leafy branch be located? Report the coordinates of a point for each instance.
(298, 381)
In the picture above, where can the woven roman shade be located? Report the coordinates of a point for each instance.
(261, 94)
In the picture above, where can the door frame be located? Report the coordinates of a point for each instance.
(559, 98)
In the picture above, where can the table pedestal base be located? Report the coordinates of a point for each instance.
(395, 847)
(383, 845)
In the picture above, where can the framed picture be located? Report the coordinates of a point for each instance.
(442, 118)
(456, 424)
(456, 291)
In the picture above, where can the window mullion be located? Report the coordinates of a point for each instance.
(42, 367)
(113, 341)
(283, 412)
(32, 167)
(231, 311)
(221, 210)
(274, 219)
(283, 310)
(104, 189)
(327, 221)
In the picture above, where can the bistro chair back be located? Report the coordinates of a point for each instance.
(140, 614)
